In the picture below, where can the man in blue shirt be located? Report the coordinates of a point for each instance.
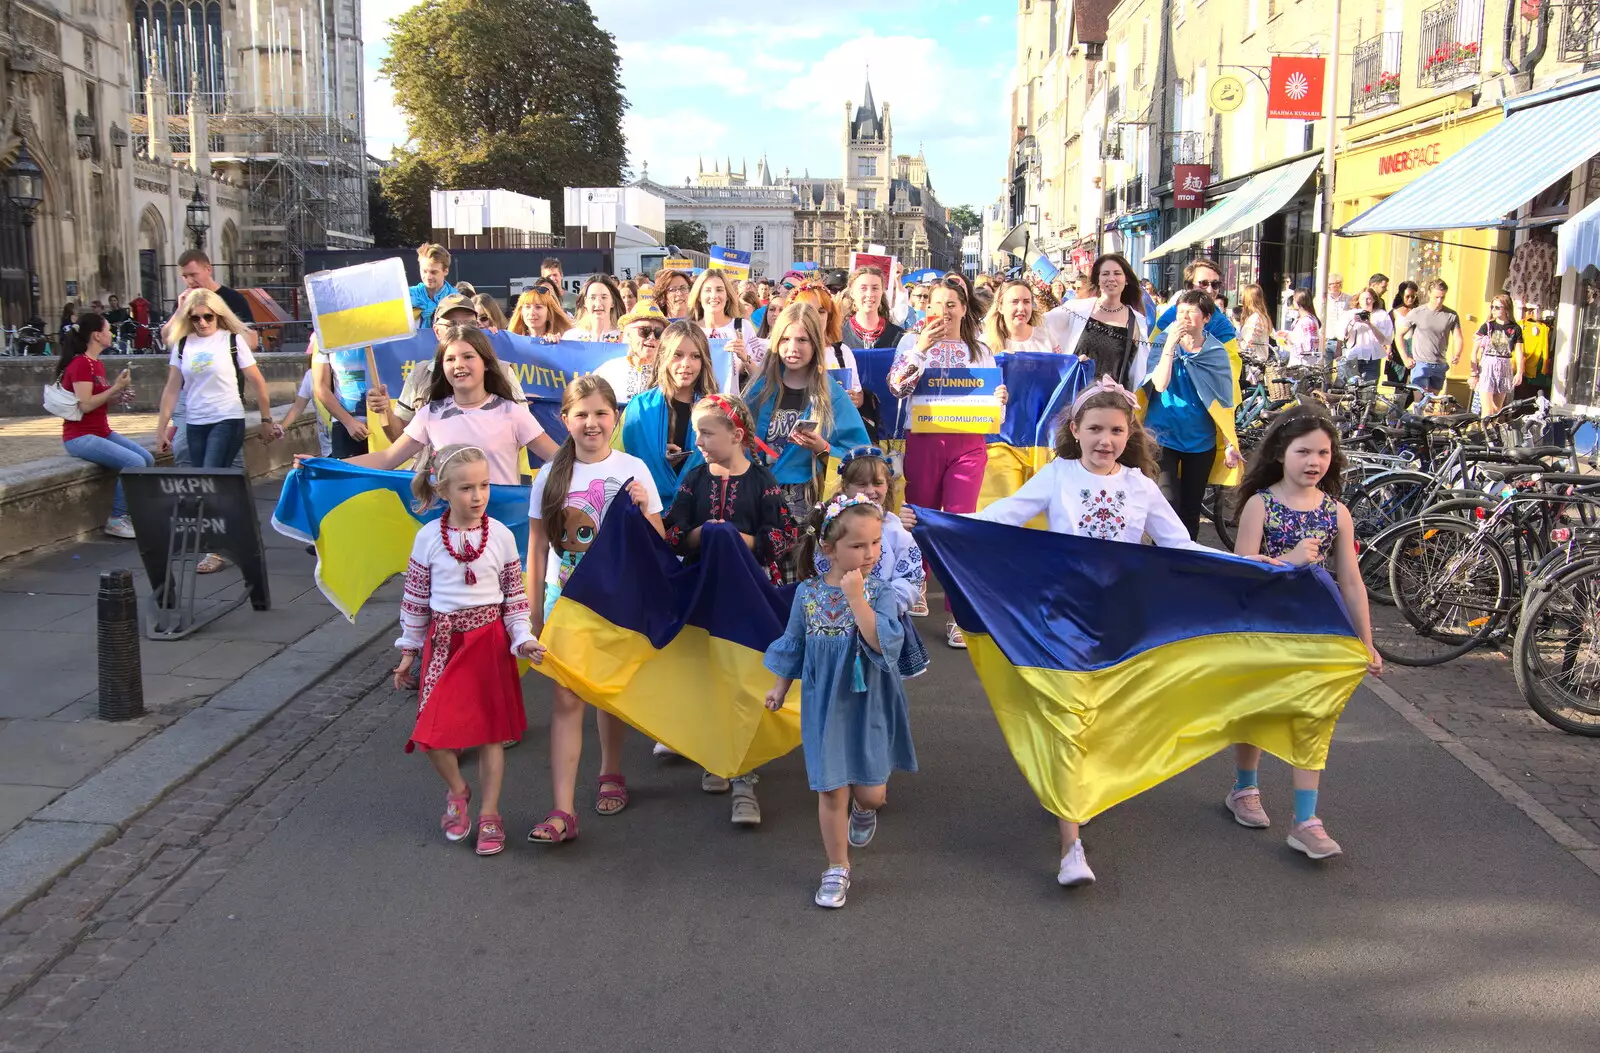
(434, 263)
(1205, 275)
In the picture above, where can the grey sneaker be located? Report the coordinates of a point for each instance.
(746, 810)
(713, 783)
(863, 824)
(120, 526)
(1309, 837)
(835, 883)
(1246, 808)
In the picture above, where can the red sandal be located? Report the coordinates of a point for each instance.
(491, 835)
(619, 794)
(554, 836)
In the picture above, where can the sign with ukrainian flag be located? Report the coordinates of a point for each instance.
(957, 402)
(1112, 667)
(735, 261)
(368, 303)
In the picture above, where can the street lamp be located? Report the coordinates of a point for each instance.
(25, 187)
(198, 218)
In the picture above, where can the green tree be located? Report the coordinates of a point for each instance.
(968, 220)
(523, 95)
(386, 230)
(687, 234)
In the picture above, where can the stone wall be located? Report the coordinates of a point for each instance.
(22, 381)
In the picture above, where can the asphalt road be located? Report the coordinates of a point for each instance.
(1452, 922)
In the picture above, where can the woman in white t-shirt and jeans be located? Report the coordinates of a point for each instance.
(209, 355)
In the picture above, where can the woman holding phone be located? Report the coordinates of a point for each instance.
(90, 438)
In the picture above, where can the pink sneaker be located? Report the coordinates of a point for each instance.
(457, 822)
(1246, 808)
(491, 835)
(1309, 837)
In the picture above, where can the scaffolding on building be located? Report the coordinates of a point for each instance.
(284, 118)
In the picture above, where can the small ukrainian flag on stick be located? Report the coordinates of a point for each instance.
(368, 303)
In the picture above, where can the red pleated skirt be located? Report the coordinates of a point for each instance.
(477, 698)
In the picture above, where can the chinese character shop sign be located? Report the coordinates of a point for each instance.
(1295, 87)
(1189, 185)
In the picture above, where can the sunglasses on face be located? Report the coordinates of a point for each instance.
(207, 318)
(1208, 285)
(484, 319)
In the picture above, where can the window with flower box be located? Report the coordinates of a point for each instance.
(1452, 41)
(1375, 67)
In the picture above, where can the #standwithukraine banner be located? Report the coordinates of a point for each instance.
(369, 303)
(675, 649)
(1112, 667)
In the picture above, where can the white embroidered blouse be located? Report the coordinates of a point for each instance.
(436, 581)
(1121, 507)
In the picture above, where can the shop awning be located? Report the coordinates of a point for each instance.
(1258, 200)
(1578, 240)
(1498, 172)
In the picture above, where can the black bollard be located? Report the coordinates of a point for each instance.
(121, 681)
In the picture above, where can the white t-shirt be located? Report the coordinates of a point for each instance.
(498, 427)
(1121, 507)
(1039, 341)
(210, 381)
(626, 379)
(305, 391)
(589, 496)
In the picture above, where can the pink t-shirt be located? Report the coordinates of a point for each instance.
(499, 428)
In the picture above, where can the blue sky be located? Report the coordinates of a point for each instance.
(942, 65)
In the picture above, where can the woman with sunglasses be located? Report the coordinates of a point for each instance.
(490, 318)
(635, 373)
(539, 314)
(209, 365)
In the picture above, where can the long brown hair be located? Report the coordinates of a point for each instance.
(485, 304)
(850, 286)
(556, 319)
(814, 533)
(1254, 301)
(1306, 305)
(969, 322)
(1266, 462)
(686, 332)
(1140, 451)
(582, 310)
(559, 479)
(1132, 292)
(494, 378)
(770, 382)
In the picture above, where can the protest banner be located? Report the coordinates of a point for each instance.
(678, 264)
(957, 402)
(735, 261)
(885, 264)
(368, 303)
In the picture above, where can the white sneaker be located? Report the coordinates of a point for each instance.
(120, 526)
(1074, 868)
(661, 749)
(835, 883)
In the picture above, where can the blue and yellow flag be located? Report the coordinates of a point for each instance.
(362, 524)
(1113, 667)
(675, 649)
(367, 303)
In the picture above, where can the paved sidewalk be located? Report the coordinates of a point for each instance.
(224, 679)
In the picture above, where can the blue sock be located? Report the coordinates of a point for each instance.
(1244, 779)
(1305, 805)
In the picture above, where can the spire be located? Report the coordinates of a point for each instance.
(699, 164)
(763, 173)
(866, 98)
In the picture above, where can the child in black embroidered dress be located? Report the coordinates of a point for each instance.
(465, 614)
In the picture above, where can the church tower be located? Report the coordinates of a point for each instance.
(868, 153)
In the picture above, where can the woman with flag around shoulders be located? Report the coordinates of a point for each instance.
(802, 412)
(656, 424)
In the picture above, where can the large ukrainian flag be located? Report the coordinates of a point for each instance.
(675, 649)
(368, 303)
(363, 526)
(1112, 667)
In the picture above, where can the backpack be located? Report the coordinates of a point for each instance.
(233, 349)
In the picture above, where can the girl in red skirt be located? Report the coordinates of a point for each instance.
(465, 612)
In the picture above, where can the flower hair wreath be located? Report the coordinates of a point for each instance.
(893, 460)
(836, 506)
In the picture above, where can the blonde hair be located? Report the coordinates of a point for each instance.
(183, 327)
(434, 253)
(433, 473)
(996, 330)
(556, 320)
(686, 332)
(769, 385)
(730, 410)
(734, 306)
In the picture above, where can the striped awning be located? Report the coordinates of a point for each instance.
(1255, 202)
(1578, 240)
(1498, 172)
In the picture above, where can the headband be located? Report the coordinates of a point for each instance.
(724, 406)
(889, 459)
(839, 504)
(1104, 384)
(439, 466)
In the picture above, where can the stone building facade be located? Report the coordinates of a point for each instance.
(756, 217)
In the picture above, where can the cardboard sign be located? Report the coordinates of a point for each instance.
(957, 402)
(885, 264)
(367, 303)
(735, 261)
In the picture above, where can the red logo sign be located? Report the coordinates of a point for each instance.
(1295, 87)
(1189, 185)
(1409, 160)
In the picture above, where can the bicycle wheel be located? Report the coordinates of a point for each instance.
(1556, 656)
(1452, 588)
(1388, 499)
(1218, 508)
